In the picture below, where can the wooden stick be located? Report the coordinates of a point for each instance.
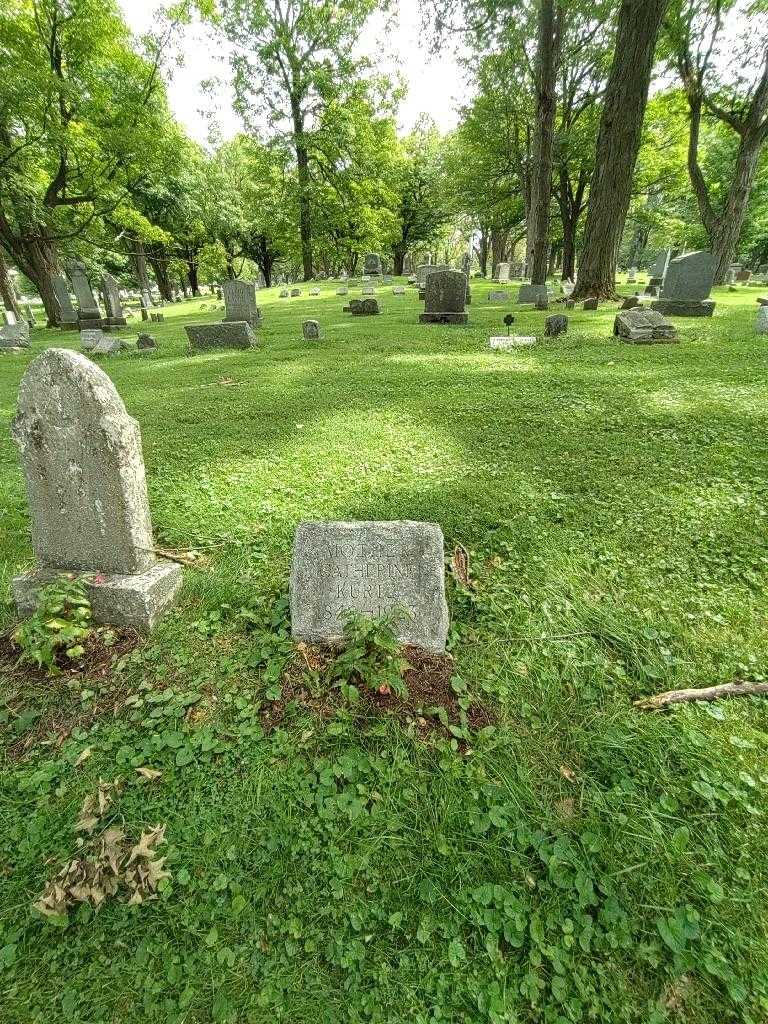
(739, 688)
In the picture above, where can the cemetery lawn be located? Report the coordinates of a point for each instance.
(578, 861)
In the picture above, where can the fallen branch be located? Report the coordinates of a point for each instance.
(706, 693)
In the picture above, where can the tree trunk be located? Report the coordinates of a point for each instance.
(193, 277)
(7, 290)
(159, 263)
(547, 58)
(138, 258)
(482, 251)
(398, 254)
(618, 142)
(499, 237)
(305, 201)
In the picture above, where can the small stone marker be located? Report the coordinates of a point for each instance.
(156, 318)
(235, 335)
(631, 303)
(311, 329)
(640, 325)
(632, 275)
(398, 290)
(761, 325)
(502, 344)
(570, 303)
(368, 289)
(542, 303)
(295, 292)
(555, 325)
(372, 265)
(90, 338)
(284, 294)
(590, 304)
(15, 335)
(107, 346)
(532, 293)
(314, 291)
(342, 291)
(87, 492)
(446, 293)
(145, 342)
(687, 285)
(363, 307)
(240, 303)
(375, 569)
(498, 296)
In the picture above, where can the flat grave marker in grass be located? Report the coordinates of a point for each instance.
(375, 569)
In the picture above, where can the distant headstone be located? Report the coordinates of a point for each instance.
(631, 302)
(240, 303)
(156, 318)
(743, 276)
(498, 296)
(375, 569)
(641, 325)
(570, 303)
(145, 342)
(502, 273)
(372, 265)
(590, 304)
(421, 274)
(532, 293)
(314, 291)
(230, 335)
(88, 312)
(398, 290)
(518, 270)
(84, 471)
(295, 292)
(64, 302)
(115, 316)
(284, 294)
(659, 269)
(567, 288)
(446, 294)
(387, 279)
(368, 289)
(363, 307)
(687, 285)
(542, 302)
(311, 329)
(632, 275)
(342, 291)
(555, 325)
(15, 335)
(502, 344)
(107, 346)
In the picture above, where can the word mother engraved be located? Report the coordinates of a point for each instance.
(376, 569)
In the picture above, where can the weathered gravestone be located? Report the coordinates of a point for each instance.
(107, 346)
(498, 296)
(502, 273)
(82, 460)
(632, 275)
(234, 335)
(363, 307)
(368, 289)
(421, 275)
(398, 290)
(446, 294)
(156, 318)
(240, 303)
(542, 302)
(502, 344)
(88, 312)
(115, 316)
(555, 325)
(311, 330)
(532, 293)
(342, 291)
(590, 304)
(90, 338)
(15, 335)
(284, 294)
(435, 268)
(762, 319)
(570, 303)
(641, 325)
(743, 276)
(375, 569)
(314, 291)
(146, 342)
(687, 285)
(372, 265)
(295, 292)
(64, 302)
(658, 271)
(631, 302)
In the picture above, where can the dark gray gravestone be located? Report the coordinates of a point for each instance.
(82, 460)
(590, 304)
(375, 569)
(555, 325)
(240, 303)
(146, 342)
(372, 265)
(446, 295)
(532, 293)
(643, 326)
(88, 312)
(61, 293)
(236, 335)
(311, 330)
(363, 307)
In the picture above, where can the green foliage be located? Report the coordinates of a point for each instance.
(371, 658)
(60, 626)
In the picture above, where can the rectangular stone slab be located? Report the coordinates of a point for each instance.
(225, 335)
(375, 568)
(136, 601)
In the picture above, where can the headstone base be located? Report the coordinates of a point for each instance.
(91, 324)
(443, 318)
(233, 335)
(134, 601)
(69, 325)
(254, 321)
(114, 323)
(684, 307)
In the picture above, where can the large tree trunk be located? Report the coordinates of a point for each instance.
(305, 201)
(618, 142)
(7, 290)
(482, 251)
(547, 58)
(499, 238)
(398, 254)
(138, 258)
(159, 263)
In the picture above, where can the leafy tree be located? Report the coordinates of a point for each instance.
(294, 58)
(79, 112)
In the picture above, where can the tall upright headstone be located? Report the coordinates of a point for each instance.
(446, 296)
(66, 309)
(240, 303)
(115, 316)
(502, 273)
(372, 265)
(687, 285)
(421, 274)
(658, 271)
(84, 471)
(88, 312)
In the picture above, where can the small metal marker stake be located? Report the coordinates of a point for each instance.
(508, 320)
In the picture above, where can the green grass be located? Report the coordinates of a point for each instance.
(585, 861)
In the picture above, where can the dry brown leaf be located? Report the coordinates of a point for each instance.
(460, 565)
(568, 773)
(150, 774)
(83, 756)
